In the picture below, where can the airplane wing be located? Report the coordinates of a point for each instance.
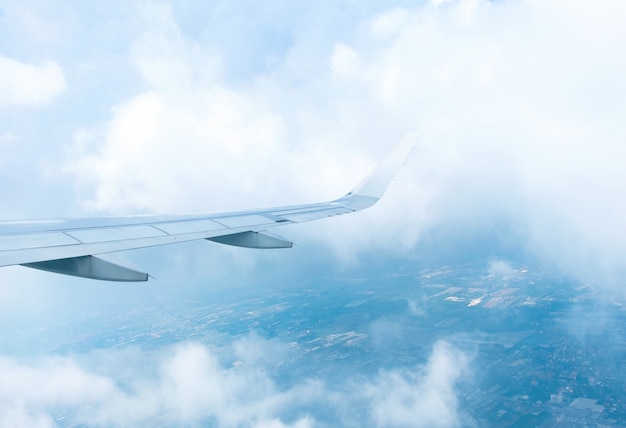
(80, 247)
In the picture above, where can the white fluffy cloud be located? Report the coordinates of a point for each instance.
(195, 142)
(24, 84)
(187, 385)
(520, 112)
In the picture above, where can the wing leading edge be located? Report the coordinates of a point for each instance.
(75, 247)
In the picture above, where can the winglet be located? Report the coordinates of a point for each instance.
(372, 188)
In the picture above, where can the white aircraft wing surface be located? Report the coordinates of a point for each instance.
(76, 247)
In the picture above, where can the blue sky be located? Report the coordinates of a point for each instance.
(158, 107)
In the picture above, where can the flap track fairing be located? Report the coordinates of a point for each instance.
(253, 240)
(90, 267)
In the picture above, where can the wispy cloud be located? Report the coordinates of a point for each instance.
(426, 397)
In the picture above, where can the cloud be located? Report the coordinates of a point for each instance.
(520, 147)
(29, 85)
(416, 308)
(422, 398)
(500, 268)
(188, 384)
(152, 135)
(254, 349)
(386, 332)
(516, 150)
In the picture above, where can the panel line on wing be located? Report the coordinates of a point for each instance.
(122, 233)
(188, 226)
(243, 221)
(71, 237)
(35, 240)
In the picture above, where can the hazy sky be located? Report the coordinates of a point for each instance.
(174, 107)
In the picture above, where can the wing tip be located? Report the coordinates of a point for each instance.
(378, 180)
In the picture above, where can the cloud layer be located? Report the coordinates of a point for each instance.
(187, 385)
